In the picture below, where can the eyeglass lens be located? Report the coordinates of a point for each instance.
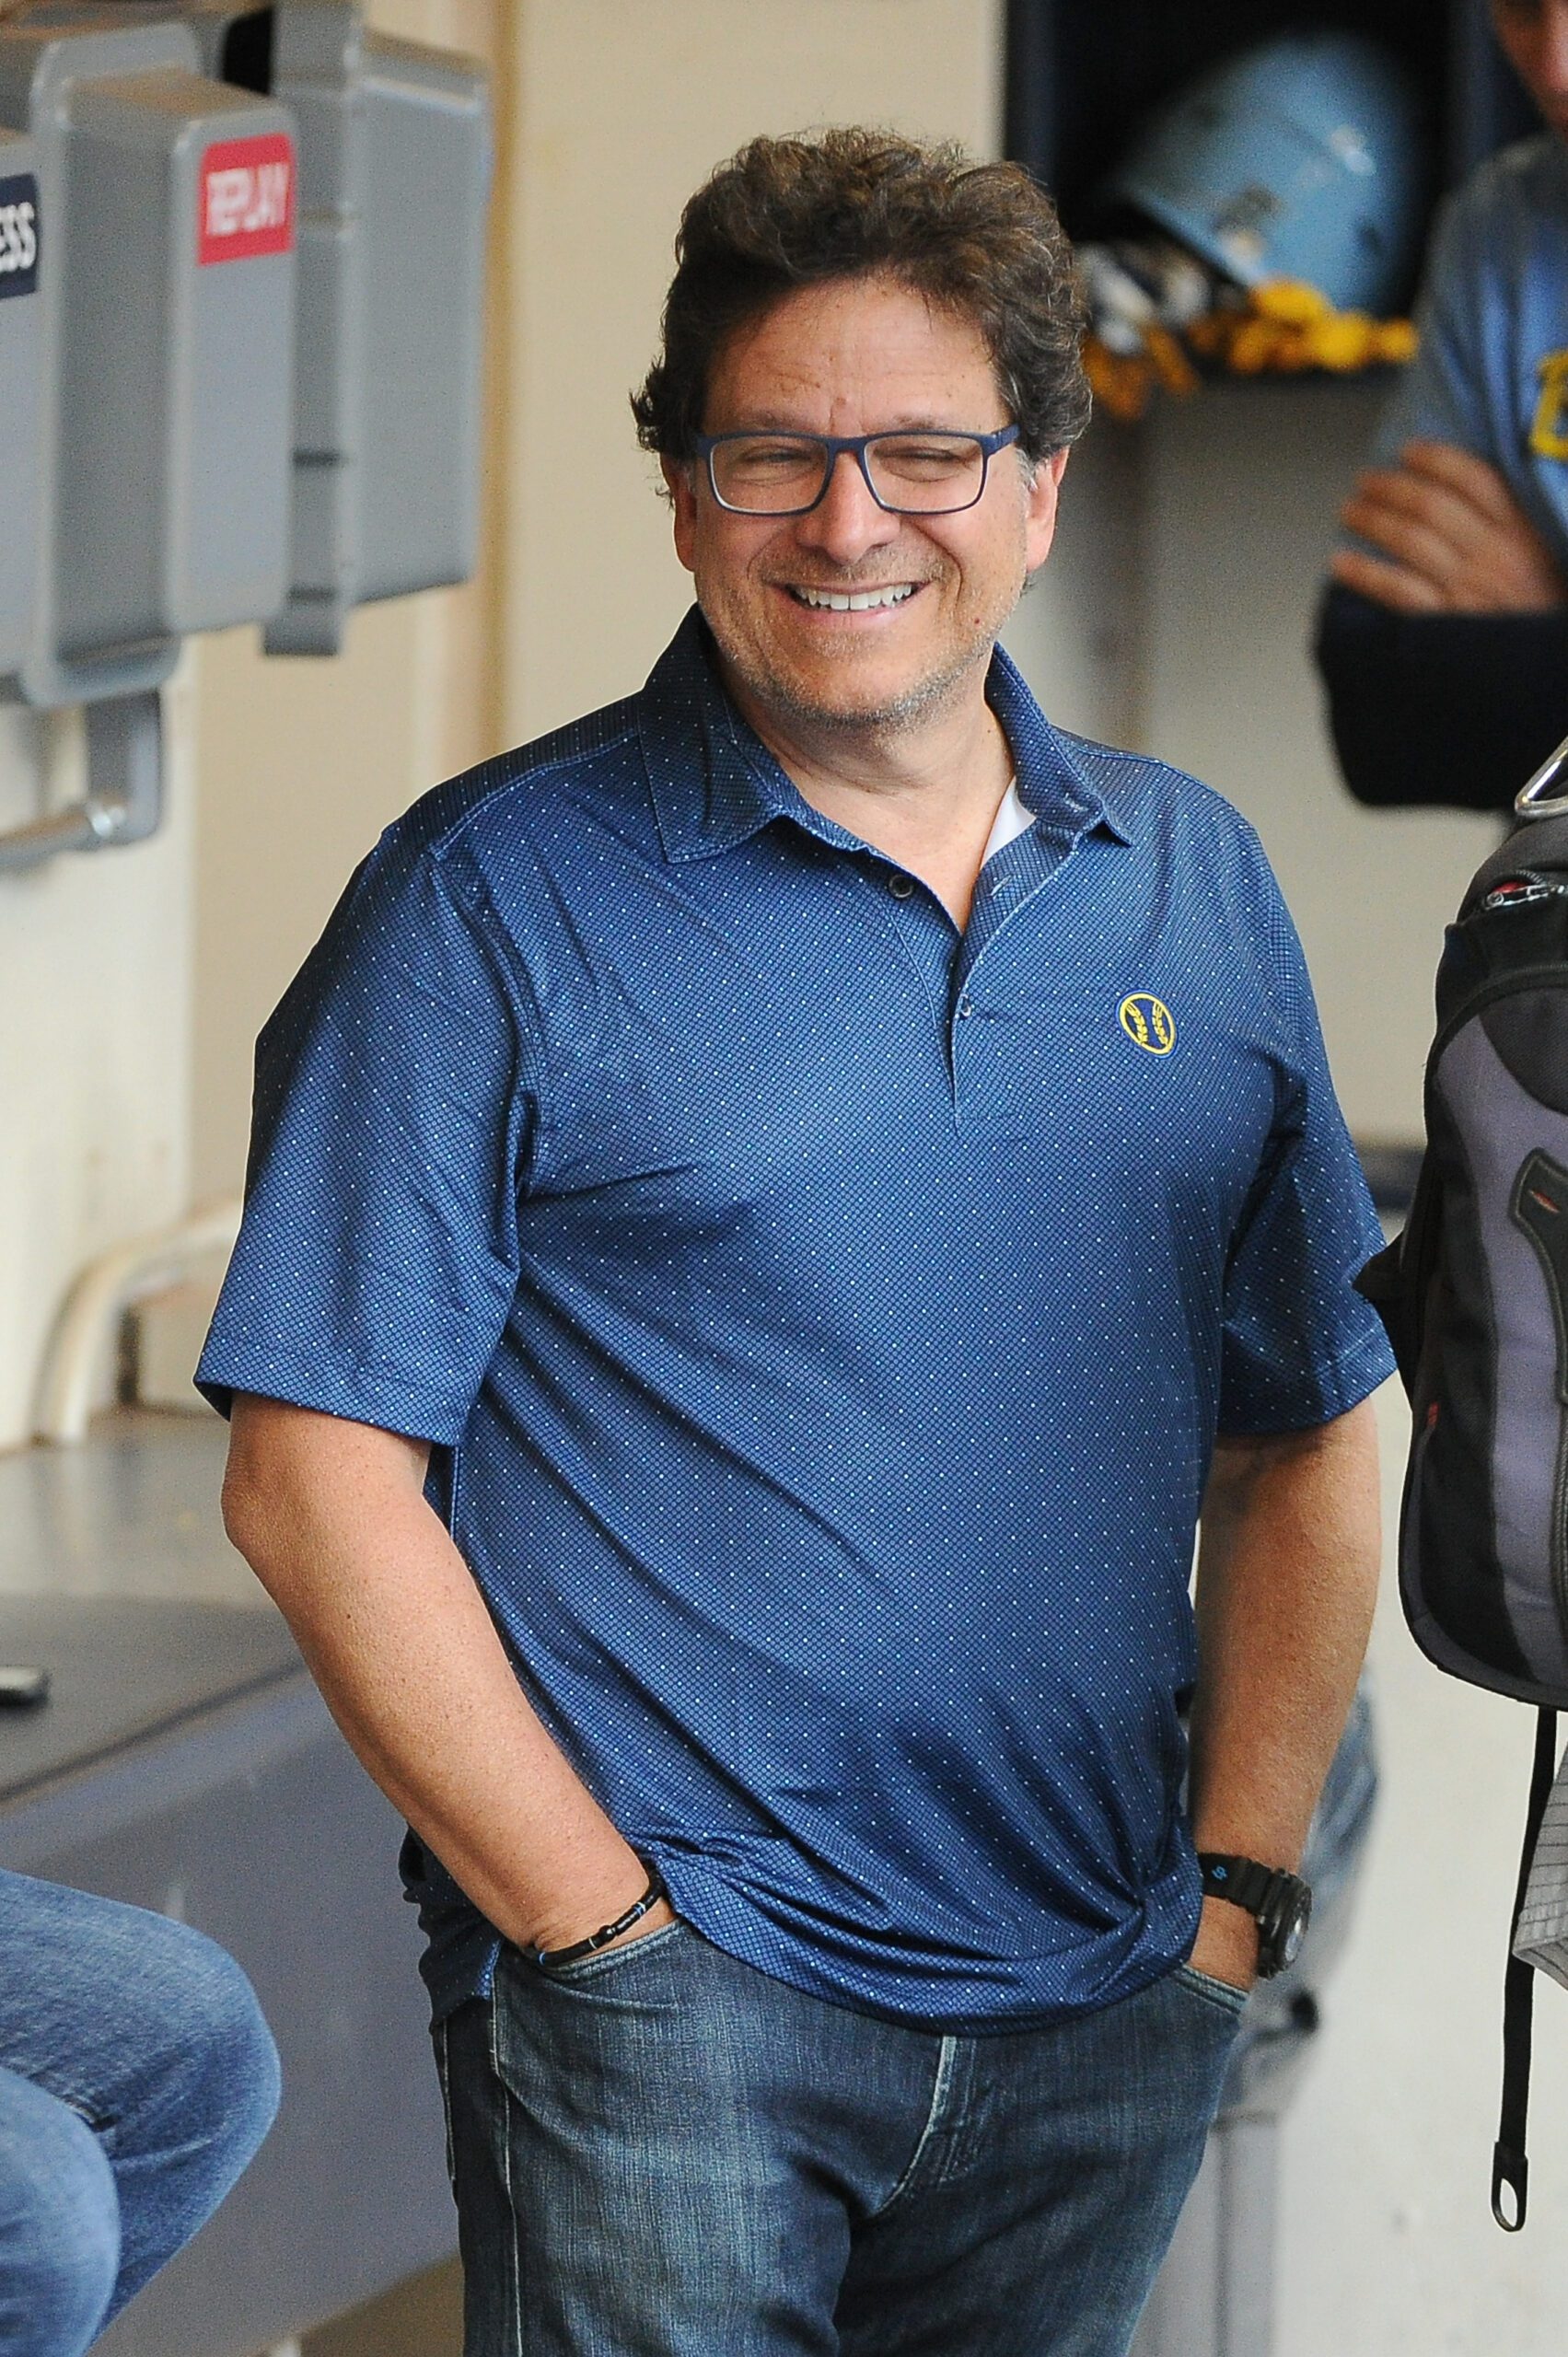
(770, 475)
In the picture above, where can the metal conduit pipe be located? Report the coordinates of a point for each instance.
(124, 797)
(101, 1296)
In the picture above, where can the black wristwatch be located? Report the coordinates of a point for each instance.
(1280, 1904)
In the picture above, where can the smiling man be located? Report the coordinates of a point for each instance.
(770, 1211)
(1444, 638)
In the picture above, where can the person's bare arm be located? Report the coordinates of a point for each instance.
(331, 1517)
(1453, 538)
(1288, 1559)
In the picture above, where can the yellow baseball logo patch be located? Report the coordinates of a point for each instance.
(1148, 1021)
(1549, 429)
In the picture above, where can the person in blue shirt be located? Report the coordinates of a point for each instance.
(1444, 638)
(770, 1212)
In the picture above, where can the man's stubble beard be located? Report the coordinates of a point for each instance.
(921, 703)
(774, 691)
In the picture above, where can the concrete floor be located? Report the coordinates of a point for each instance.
(420, 2318)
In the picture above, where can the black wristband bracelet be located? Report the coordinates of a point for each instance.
(607, 1932)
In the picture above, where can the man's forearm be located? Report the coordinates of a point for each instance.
(1287, 1578)
(332, 1519)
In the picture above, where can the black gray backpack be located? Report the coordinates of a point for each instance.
(1475, 1298)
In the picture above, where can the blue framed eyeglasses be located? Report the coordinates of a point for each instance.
(915, 472)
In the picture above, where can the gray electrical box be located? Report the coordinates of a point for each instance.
(394, 162)
(395, 165)
(427, 184)
(166, 325)
(21, 361)
(241, 322)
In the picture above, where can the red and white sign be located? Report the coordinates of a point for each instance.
(244, 198)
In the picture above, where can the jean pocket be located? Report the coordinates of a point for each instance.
(1223, 1996)
(608, 1960)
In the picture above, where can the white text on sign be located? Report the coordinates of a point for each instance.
(240, 199)
(245, 198)
(18, 239)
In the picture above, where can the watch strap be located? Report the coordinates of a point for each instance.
(1279, 1902)
(1241, 1880)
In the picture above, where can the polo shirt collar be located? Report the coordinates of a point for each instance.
(714, 783)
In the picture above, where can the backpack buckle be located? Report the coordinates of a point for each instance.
(1532, 801)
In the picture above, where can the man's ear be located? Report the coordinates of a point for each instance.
(680, 480)
(1041, 504)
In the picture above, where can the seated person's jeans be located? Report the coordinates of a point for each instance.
(660, 2152)
(137, 2077)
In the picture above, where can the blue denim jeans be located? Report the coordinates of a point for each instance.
(662, 2152)
(136, 2079)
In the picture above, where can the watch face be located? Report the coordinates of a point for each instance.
(1282, 1936)
(1293, 1931)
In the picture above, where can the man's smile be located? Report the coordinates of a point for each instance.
(851, 601)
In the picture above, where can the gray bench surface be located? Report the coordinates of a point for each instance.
(122, 1670)
(133, 1513)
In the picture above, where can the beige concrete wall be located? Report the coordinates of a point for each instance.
(621, 108)
(303, 761)
(301, 764)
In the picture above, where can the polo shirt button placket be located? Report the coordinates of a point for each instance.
(900, 885)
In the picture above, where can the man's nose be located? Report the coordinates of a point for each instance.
(846, 522)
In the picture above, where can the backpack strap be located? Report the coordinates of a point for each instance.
(1510, 2169)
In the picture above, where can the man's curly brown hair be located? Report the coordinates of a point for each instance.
(981, 241)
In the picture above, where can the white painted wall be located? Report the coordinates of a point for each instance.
(622, 107)
(95, 999)
(1080, 635)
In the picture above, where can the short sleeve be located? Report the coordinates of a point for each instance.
(1300, 1345)
(377, 1258)
(1441, 395)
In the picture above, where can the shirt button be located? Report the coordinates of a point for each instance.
(965, 1008)
(900, 885)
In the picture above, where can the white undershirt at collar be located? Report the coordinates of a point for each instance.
(1011, 821)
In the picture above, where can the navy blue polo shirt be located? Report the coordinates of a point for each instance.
(822, 1318)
